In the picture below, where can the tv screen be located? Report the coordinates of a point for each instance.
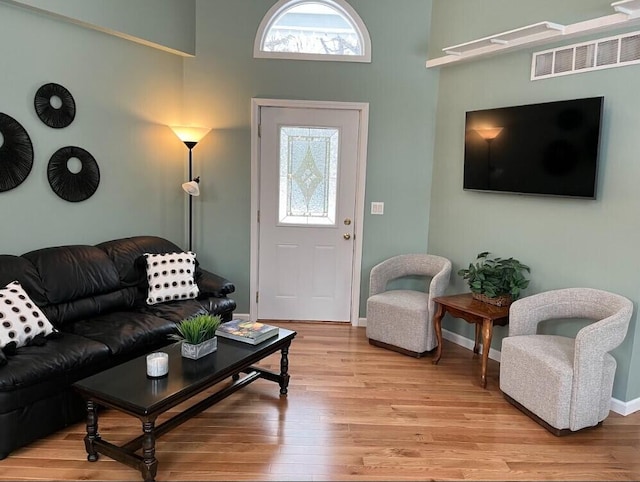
(548, 149)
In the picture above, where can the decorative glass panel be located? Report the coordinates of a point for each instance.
(313, 28)
(308, 175)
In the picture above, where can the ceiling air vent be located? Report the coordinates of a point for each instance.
(587, 56)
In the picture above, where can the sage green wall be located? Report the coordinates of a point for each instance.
(566, 242)
(169, 23)
(125, 95)
(221, 80)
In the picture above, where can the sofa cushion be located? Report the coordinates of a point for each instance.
(20, 318)
(86, 271)
(178, 310)
(171, 277)
(126, 256)
(36, 372)
(124, 332)
(91, 282)
(14, 268)
(84, 308)
(222, 306)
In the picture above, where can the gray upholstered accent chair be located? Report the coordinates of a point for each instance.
(565, 384)
(402, 320)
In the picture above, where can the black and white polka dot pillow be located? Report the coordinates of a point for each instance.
(171, 276)
(20, 318)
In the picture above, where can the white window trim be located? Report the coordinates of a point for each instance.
(340, 5)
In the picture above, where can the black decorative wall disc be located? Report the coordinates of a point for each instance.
(70, 186)
(16, 153)
(55, 105)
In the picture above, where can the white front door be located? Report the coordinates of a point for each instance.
(308, 168)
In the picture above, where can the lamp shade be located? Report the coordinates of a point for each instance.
(489, 133)
(190, 134)
(192, 188)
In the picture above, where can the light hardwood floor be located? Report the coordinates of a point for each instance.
(354, 412)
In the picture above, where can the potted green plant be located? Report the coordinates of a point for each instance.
(198, 335)
(496, 281)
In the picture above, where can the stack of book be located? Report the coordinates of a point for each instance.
(252, 332)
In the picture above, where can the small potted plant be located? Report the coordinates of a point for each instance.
(496, 281)
(198, 335)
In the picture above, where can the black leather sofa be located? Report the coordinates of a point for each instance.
(95, 296)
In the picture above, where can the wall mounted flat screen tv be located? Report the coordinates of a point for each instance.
(548, 149)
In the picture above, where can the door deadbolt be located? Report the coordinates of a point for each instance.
(347, 222)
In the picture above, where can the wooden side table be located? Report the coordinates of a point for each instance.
(483, 315)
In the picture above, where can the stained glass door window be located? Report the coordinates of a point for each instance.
(308, 175)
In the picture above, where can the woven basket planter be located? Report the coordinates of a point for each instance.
(503, 300)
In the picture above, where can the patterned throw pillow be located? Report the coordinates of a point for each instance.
(171, 276)
(20, 318)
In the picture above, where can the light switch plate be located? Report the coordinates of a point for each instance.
(377, 208)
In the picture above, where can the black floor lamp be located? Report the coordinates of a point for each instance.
(191, 136)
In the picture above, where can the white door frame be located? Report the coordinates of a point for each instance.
(363, 110)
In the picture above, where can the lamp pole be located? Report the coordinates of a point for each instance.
(489, 134)
(190, 136)
(489, 166)
(190, 145)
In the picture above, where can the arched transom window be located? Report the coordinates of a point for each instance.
(313, 30)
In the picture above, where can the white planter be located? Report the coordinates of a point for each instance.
(198, 351)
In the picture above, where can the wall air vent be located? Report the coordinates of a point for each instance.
(598, 54)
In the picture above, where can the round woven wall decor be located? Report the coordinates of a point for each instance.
(16, 153)
(58, 116)
(70, 186)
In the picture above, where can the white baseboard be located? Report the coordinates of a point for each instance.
(245, 316)
(467, 343)
(625, 408)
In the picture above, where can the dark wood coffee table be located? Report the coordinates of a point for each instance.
(126, 388)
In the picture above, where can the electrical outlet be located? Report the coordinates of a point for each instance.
(377, 208)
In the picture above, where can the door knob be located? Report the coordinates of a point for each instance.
(346, 236)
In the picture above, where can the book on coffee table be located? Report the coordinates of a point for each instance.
(252, 332)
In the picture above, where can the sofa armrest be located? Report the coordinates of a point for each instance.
(210, 284)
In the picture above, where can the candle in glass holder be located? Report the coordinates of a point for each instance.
(157, 364)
